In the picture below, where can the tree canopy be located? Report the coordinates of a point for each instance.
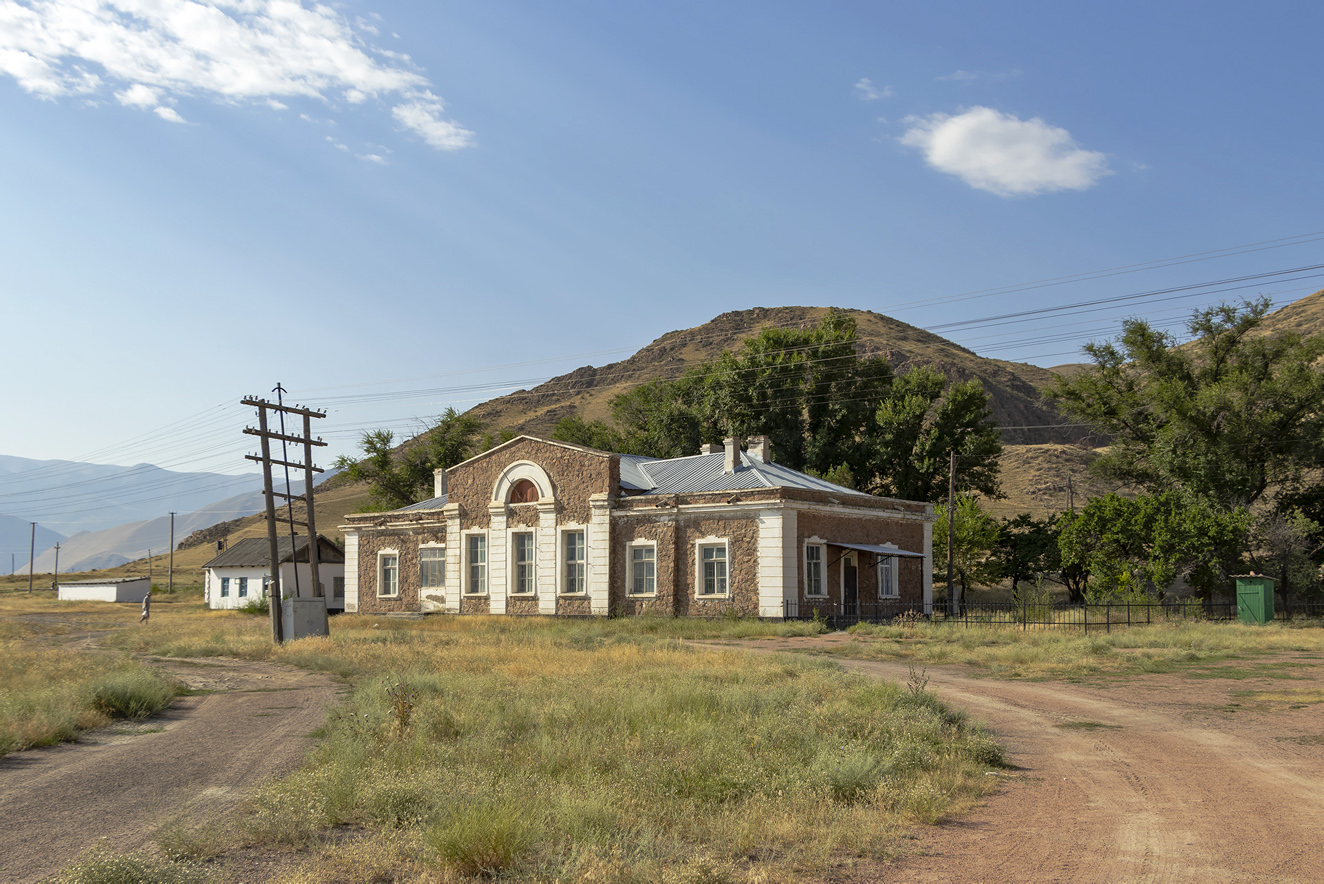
(1229, 416)
(826, 409)
(399, 478)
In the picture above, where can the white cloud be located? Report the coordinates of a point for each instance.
(1003, 154)
(168, 113)
(980, 75)
(372, 158)
(865, 90)
(960, 75)
(228, 51)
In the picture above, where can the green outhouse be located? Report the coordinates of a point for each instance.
(1254, 598)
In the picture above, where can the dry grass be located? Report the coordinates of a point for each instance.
(1061, 653)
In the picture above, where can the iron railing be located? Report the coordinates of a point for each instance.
(1031, 615)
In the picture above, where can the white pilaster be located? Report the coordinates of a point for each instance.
(498, 559)
(454, 558)
(773, 564)
(598, 540)
(351, 570)
(546, 562)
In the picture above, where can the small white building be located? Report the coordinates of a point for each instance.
(238, 575)
(122, 589)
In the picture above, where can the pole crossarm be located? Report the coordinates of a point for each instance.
(288, 409)
(283, 463)
(250, 431)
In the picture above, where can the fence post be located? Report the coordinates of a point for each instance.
(1108, 614)
(1025, 614)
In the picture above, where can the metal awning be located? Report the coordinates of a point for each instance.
(879, 550)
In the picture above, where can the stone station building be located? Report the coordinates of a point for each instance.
(534, 526)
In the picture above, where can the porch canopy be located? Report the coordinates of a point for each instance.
(879, 550)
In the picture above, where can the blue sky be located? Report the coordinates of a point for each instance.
(392, 207)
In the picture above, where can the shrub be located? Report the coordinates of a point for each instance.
(483, 839)
(260, 605)
(132, 694)
(101, 865)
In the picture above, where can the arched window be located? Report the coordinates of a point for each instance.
(524, 492)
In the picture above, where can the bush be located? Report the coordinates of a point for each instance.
(484, 839)
(101, 865)
(132, 694)
(259, 605)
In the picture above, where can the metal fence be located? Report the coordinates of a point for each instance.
(1030, 615)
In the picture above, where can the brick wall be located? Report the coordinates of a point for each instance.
(575, 474)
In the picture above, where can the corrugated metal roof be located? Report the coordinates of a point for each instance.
(880, 549)
(255, 552)
(704, 472)
(432, 503)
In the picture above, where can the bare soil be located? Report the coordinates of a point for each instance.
(193, 763)
(1215, 774)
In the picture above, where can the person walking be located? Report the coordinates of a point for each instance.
(147, 607)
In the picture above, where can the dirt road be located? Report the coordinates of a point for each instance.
(1147, 778)
(195, 761)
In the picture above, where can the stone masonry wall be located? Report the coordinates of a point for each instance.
(575, 474)
(406, 540)
(906, 534)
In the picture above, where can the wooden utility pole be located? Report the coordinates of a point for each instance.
(266, 434)
(55, 580)
(171, 584)
(32, 556)
(951, 536)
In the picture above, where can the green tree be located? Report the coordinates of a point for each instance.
(1026, 548)
(1141, 546)
(922, 419)
(399, 477)
(1284, 545)
(975, 536)
(1229, 417)
(826, 410)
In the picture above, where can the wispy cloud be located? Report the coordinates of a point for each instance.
(865, 90)
(968, 76)
(1003, 154)
(151, 53)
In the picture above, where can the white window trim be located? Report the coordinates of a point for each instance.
(433, 545)
(629, 568)
(699, 546)
(891, 563)
(466, 572)
(560, 560)
(513, 571)
(821, 546)
(382, 554)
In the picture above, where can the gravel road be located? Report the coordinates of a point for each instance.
(195, 761)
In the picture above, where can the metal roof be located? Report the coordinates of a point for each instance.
(705, 472)
(432, 503)
(255, 552)
(880, 549)
(104, 582)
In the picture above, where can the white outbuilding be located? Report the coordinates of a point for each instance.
(239, 575)
(122, 589)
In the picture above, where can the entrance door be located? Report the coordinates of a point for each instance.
(850, 593)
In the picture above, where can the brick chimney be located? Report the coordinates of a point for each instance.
(759, 448)
(732, 458)
(709, 448)
(439, 483)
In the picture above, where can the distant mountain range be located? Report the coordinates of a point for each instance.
(16, 542)
(68, 497)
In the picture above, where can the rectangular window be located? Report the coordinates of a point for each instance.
(338, 588)
(243, 587)
(389, 580)
(573, 545)
(431, 567)
(643, 573)
(713, 559)
(524, 570)
(887, 582)
(814, 570)
(477, 564)
(225, 587)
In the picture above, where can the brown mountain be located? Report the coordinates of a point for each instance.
(1013, 387)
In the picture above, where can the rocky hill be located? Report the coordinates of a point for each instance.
(1013, 387)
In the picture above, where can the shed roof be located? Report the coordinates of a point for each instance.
(255, 552)
(705, 472)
